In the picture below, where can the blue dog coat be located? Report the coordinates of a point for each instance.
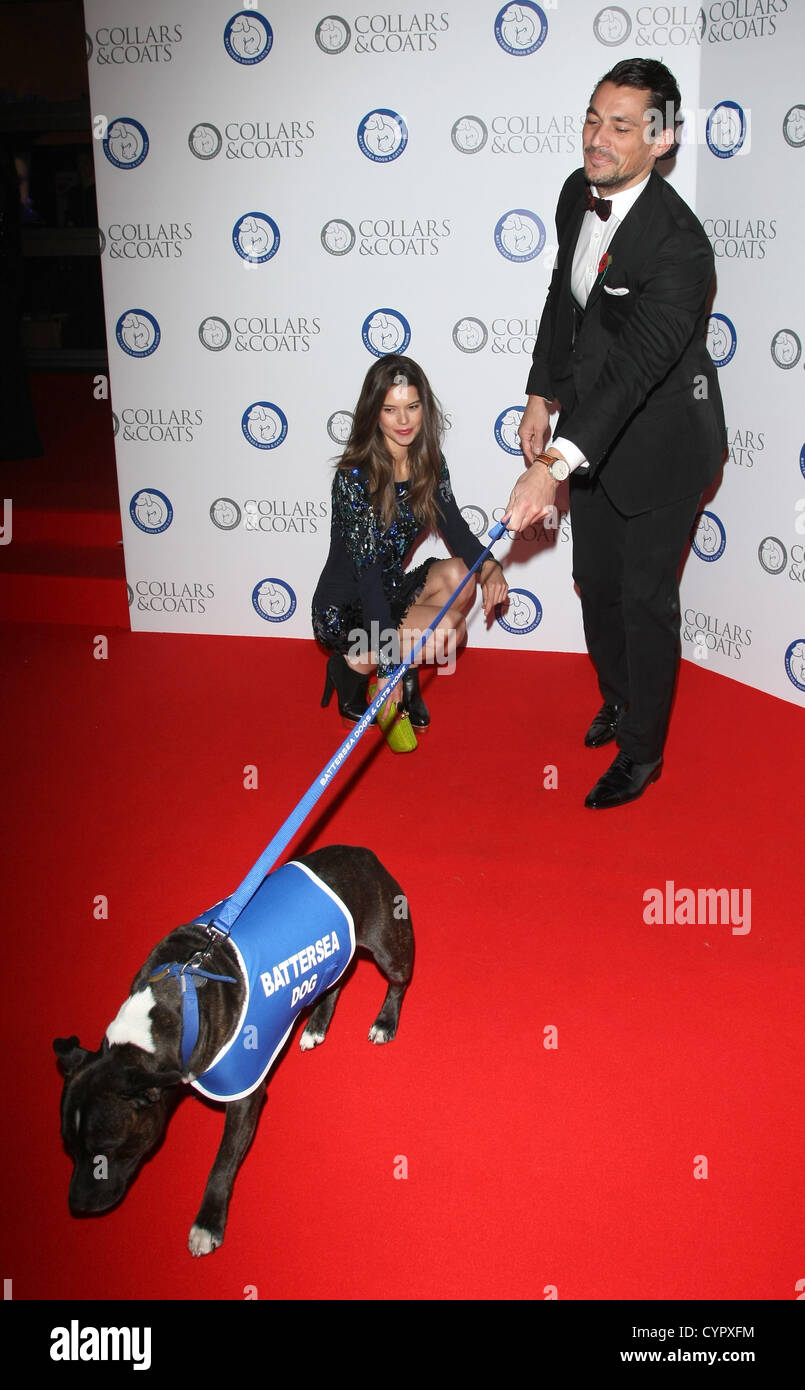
(293, 940)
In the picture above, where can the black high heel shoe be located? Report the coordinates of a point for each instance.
(412, 700)
(350, 688)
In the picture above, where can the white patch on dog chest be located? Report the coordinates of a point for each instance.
(133, 1022)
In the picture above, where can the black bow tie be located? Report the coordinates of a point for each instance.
(601, 206)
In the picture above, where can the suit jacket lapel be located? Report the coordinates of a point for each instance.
(629, 234)
(572, 236)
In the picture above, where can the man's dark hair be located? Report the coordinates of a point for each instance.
(648, 75)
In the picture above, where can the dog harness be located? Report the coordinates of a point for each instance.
(293, 940)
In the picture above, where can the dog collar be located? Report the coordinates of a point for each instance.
(186, 974)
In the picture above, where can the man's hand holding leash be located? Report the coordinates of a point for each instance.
(533, 495)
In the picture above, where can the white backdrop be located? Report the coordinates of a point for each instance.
(282, 191)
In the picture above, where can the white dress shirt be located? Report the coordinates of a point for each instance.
(593, 240)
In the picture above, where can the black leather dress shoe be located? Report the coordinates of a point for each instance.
(605, 726)
(624, 780)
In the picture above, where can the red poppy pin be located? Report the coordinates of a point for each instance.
(604, 264)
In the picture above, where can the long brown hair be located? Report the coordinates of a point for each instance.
(367, 448)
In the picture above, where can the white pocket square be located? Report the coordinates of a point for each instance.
(609, 289)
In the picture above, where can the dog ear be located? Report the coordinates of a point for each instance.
(142, 1085)
(70, 1053)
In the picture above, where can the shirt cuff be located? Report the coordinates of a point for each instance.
(571, 453)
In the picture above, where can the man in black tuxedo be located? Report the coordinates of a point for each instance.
(621, 346)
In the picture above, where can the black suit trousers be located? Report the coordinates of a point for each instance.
(627, 570)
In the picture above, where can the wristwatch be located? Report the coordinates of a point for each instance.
(559, 469)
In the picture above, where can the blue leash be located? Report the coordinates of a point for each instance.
(232, 906)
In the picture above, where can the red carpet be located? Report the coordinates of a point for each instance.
(534, 1171)
(530, 1168)
(65, 560)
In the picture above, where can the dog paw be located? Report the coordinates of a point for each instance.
(202, 1242)
(379, 1034)
(310, 1038)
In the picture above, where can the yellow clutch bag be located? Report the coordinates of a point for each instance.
(395, 724)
